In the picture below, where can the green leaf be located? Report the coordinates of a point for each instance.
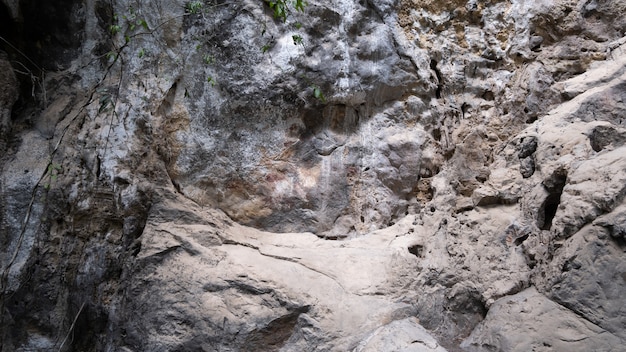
(317, 93)
(111, 55)
(144, 24)
(297, 39)
(141, 53)
(280, 9)
(194, 7)
(299, 5)
(115, 28)
(208, 59)
(105, 101)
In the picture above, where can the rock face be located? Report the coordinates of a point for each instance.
(359, 176)
(549, 327)
(7, 99)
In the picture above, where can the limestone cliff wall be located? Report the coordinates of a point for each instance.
(380, 175)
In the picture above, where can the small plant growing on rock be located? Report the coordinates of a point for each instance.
(208, 59)
(194, 7)
(131, 24)
(281, 7)
(53, 173)
(317, 94)
(297, 39)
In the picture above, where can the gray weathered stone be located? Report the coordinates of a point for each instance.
(8, 97)
(528, 321)
(363, 176)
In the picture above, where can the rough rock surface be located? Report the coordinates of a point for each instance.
(378, 175)
(9, 95)
(548, 327)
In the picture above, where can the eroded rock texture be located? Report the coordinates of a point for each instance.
(364, 176)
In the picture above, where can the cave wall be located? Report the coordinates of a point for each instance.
(406, 174)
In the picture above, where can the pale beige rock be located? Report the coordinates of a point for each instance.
(249, 280)
(594, 187)
(528, 321)
(400, 336)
